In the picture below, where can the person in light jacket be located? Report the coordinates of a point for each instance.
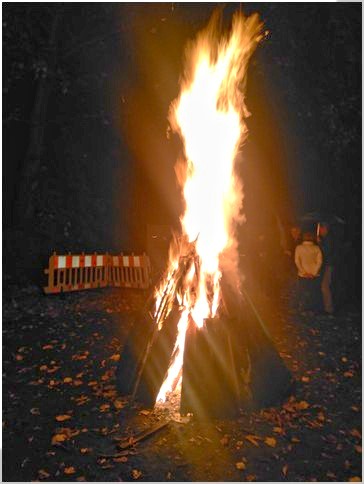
(308, 260)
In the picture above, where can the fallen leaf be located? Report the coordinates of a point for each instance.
(251, 477)
(47, 347)
(120, 459)
(278, 430)
(58, 438)
(106, 376)
(81, 356)
(285, 470)
(85, 450)
(43, 368)
(82, 400)
(225, 440)
(67, 379)
(35, 411)
(144, 412)
(270, 441)
(355, 479)
(119, 404)
(19, 357)
(135, 474)
(43, 474)
(240, 466)
(110, 394)
(92, 383)
(115, 357)
(61, 418)
(69, 470)
(104, 407)
(302, 405)
(305, 379)
(355, 433)
(358, 448)
(77, 383)
(252, 439)
(348, 374)
(52, 370)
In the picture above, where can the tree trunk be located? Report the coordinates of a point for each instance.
(25, 201)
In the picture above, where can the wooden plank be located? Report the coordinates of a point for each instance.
(209, 376)
(156, 363)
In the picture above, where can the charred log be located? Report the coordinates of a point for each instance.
(157, 362)
(266, 374)
(133, 353)
(209, 388)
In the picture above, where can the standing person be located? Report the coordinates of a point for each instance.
(291, 283)
(294, 239)
(327, 248)
(308, 260)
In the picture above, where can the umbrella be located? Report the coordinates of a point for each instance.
(321, 217)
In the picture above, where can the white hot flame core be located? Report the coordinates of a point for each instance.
(209, 117)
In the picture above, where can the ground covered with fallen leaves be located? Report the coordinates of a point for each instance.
(64, 421)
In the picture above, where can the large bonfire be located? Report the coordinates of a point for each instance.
(209, 117)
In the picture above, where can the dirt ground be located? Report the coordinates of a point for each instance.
(63, 419)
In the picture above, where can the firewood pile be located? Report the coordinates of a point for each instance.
(228, 364)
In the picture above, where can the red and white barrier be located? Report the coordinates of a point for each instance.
(130, 271)
(77, 272)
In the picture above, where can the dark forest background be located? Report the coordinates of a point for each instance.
(86, 90)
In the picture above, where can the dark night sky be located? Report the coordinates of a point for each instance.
(107, 167)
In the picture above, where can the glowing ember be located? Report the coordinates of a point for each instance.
(209, 117)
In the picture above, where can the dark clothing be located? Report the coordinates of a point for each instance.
(327, 248)
(308, 293)
(326, 289)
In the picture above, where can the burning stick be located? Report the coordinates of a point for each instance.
(145, 434)
(173, 287)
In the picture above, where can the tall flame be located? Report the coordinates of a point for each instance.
(209, 117)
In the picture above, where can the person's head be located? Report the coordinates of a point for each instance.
(324, 229)
(308, 236)
(295, 232)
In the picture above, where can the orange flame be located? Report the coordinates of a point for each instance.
(209, 117)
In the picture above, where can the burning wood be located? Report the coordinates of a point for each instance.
(201, 337)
